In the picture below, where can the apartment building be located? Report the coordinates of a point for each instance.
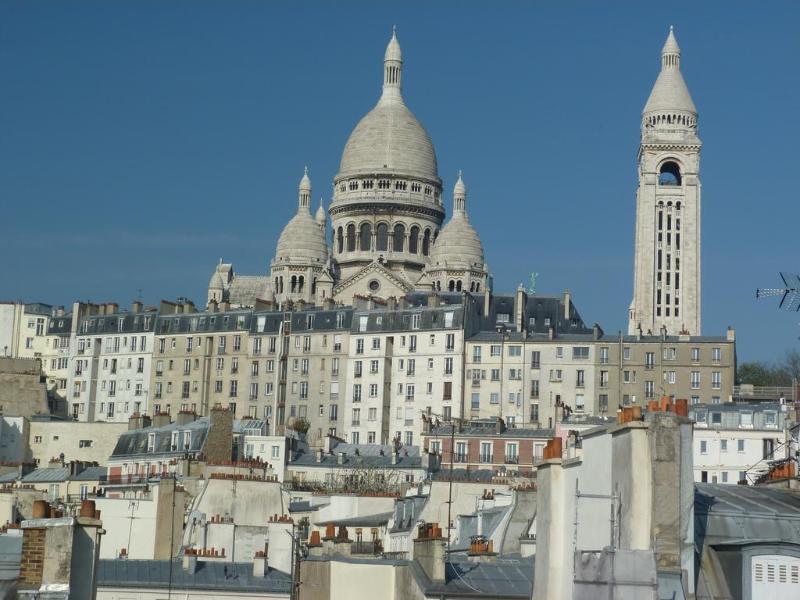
(199, 360)
(734, 441)
(634, 369)
(312, 370)
(405, 360)
(109, 370)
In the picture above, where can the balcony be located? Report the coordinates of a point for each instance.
(373, 548)
(486, 458)
(512, 460)
(356, 422)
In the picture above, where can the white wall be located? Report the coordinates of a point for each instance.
(130, 524)
(724, 466)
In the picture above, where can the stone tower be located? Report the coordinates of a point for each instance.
(666, 284)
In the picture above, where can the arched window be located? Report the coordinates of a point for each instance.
(314, 286)
(351, 237)
(426, 242)
(300, 282)
(458, 285)
(413, 240)
(451, 286)
(477, 287)
(366, 236)
(382, 237)
(294, 283)
(280, 284)
(669, 174)
(399, 238)
(471, 286)
(340, 240)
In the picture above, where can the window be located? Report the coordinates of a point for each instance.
(579, 378)
(746, 419)
(649, 389)
(603, 403)
(604, 355)
(357, 392)
(534, 389)
(716, 354)
(670, 376)
(373, 390)
(373, 366)
(559, 352)
(357, 368)
(450, 339)
(448, 366)
(37, 439)
(703, 447)
(695, 380)
(695, 354)
(603, 379)
(486, 452)
(376, 343)
(476, 354)
(516, 350)
(494, 398)
(409, 392)
(723, 445)
(629, 377)
(670, 354)
(770, 419)
(495, 350)
(580, 352)
(360, 346)
(740, 445)
(716, 418)
(495, 374)
(475, 401)
(535, 359)
(151, 442)
(649, 360)
(716, 380)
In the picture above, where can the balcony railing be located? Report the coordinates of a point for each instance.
(512, 460)
(460, 458)
(373, 548)
(486, 458)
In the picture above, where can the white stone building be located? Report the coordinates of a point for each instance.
(386, 217)
(733, 442)
(666, 290)
(110, 365)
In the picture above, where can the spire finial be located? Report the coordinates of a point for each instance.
(459, 195)
(304, 200)
(392, 67)
(670, 53)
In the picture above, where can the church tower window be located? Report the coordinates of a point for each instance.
(366, 236)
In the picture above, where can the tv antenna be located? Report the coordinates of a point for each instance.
(789, 293)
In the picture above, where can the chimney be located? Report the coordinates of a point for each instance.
(213, 306)
(487, 301)
(166, 307)
(391, 303)
(434, 300)
(101, 309)
(112, 308)
(224, 306)
(137, 306)
(663, 333)
(597, 332)
(395, 455)
(499, 426)
(340, 458)
(137, 421)
(189, 307)
(161, 419)
(567, 305)
(551, 333)
(189, 561)
(60, 311)
(331, 441)
(731, 335)
(519, 308)
(402, 303)
(185, 417)
(328, 304)
(262, 304)
(429, 551)
(320, 455)
(261, 562)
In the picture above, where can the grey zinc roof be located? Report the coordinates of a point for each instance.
(369, 455)
(400, 320)
(228, 577)
(131, 323)
(47, 475)
(90, 474)
(730, 414)
(244, 289)
(737, 514)
(134, 442)
(9, 477)
(488, 430)
(504, 578)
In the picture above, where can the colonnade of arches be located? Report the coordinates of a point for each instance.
(456, 285)
(414, 240)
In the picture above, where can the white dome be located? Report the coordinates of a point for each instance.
(458, 246)
(390, 139)
(302, 240)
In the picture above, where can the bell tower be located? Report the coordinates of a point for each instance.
(666, 286)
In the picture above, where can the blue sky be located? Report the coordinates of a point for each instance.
(140, 142)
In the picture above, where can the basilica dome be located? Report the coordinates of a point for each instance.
(458, 245)
(302, 240)
(390, 139)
